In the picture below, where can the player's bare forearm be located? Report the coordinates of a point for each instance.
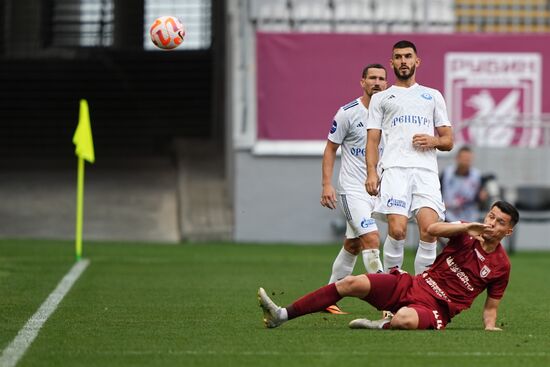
(490, 311)
(329, 157)
(444, 141)
(442, 229)
(328, 193)
(371, 157)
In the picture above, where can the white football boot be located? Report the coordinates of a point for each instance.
(270, 309)
(368, 324)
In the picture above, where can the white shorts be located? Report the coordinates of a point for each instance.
(405, 190)
(358, 211)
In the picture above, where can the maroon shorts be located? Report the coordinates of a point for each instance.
(392, 291)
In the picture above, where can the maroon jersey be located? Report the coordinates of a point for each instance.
(463, 270)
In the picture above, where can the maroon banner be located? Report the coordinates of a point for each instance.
(492, 83)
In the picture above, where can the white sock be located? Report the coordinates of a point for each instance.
(371, 259)
(282, 313)
(342, 266)
(425, 256)
(393, 253)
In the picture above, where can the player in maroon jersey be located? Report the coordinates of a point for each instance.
(472, 261)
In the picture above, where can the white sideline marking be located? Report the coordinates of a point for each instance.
(325, 353)
(15, 350)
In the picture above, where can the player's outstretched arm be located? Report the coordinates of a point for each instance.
(490, 314)
(442, 229)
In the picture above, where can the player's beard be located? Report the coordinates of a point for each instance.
(404, 77)
(373, 91)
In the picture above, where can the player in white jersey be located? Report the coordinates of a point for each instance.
(406, 117)
(348, 132)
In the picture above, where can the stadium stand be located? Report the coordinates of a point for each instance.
(270, 15)
(382, 16)
(312, 15)
(353, 16)
(506, 16)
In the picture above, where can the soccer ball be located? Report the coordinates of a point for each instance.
(167, 32)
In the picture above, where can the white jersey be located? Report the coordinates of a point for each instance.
(401, 113)
(348, 131)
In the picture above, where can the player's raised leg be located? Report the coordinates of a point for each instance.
(350, 286)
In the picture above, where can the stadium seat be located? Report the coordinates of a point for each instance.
(533, 204)
(393, 16)
(533, 198)
(312, 15)
(440, 15)
(270, 15)
(353, 16)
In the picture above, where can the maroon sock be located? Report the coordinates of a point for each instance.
(314, 301)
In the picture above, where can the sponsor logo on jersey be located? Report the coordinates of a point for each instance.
(357, 152)
(484, 271)
(367, 222)
(391, 96)
(334, 126)
(427, 96)
(360, 124)
(438, 321)
(396, 202)
(410, 119)
(436, 288)
(461, 275)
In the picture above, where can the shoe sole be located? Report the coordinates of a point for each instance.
(357, 324)
(264, 310)
(335, 312)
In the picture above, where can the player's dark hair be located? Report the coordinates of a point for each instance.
(405, 44)
(373, 66)
(464, 148)
(509, 209)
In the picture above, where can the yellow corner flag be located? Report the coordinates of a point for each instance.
(85, 151)
(83, 135)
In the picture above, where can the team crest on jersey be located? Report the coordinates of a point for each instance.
(427, 96)
(484, 271)
(334, 126)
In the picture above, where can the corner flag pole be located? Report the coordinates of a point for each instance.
(85, 151)
(79, 207)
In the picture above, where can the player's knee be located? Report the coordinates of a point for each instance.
(370, 240)
(426, 236)
(406, 318)
(353, 286)
(353, 246)
(398, 233)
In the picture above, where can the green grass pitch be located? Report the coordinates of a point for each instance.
(195, 305)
